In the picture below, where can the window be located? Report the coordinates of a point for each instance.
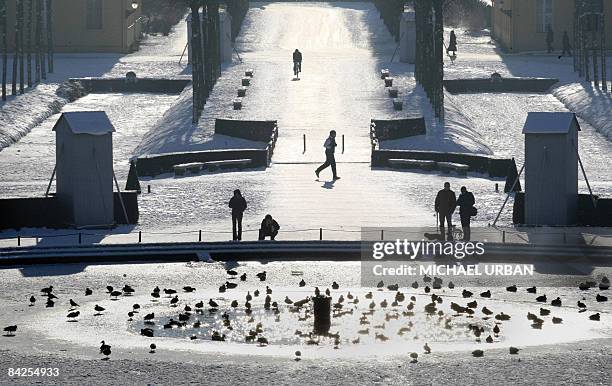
(94, 14)
(544, 14)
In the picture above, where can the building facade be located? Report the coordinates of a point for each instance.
(520, 25)
(88, 25)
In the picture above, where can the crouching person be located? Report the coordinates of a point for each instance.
(269, 227)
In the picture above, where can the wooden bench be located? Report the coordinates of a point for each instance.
(237, 103)
(413, 164)
(193, 168)
(393, 92)
(242, 91)
(249, 73)
(398, 104)
(384, 73)
(246, 81)
(225, 164)
(388, 82)
(447, 167)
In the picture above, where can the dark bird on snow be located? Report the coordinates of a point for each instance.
(147, 332)
(153, 347)
(556, 302)
(32, 300)
(199, 304)
(368, 295)
(532, 290)
(288, 301)
(466, 294)
(604, 284)
(51, 297)
(169, 291)
(427, 289)
(50, 303)
(136, 307)
(335, 285)
(601, 298)
(262, 276)
(451, 285)
(188, 289)
(489, 339)
(213, 304)
(156, 289)
(243, 277)
(216, 336)
(496, 330)
(155, 295)
(183, 317)
(73, 315)
(327, 292)
(541, 299)
(557, 320)
(595, 317)
(584, 286)
(478, 353)
(472, 304)
(88, 291)
(47, 290)
(231, 272)
(222, 288)
(544, 312)
(248, 296)
(115, 294)
(380, 284)
(393, 287)
(513, 350)
(127, 289)
(99, 309)
(415, 285)
(486, 294)
(174, 301)
(73, 304)
(269, 290)
(427, 349)
(487, 311)
(149, 317)
(302, 283)
(10, 330)
(234, 304)
(256, 293)
(109, 288)
(230, 285)
(106, 351)
(581, 304)
(511, 288)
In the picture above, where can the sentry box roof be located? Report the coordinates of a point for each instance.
(86, 122)
(550, 123)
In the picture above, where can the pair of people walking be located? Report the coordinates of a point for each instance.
(445, 205)
(269, 226)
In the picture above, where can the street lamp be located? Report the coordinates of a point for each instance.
(135, 4)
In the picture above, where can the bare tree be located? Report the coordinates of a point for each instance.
(3, 23)
(50, 35)
(20, 15)
(15, 56)
(29, 24)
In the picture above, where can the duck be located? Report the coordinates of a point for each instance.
(426, 348)
(472, 304)
(199, 305)
(128, 290)
(32, 301)
(222, 288)
(531, 316)
(466, 293)
(302, 283)
(155, 295)
(384, 303)
(486, 294)
(601, 298)
(393, 287)
(115, 294)
(368, 295)
(88, 291)
(544, 312)
(262, 276)
(557, 320)
(327, 292)
(604, 284)
(169, 291)
(496, 330)
(188, 288)
(234, 304)
(595, 317)
(477, 353)
(262, 341)
(156, 289)
(365, 331)
(183, 317)
(513, 350)
(174, 301)
(50, 303)
(109, 289)
(213, 303)
(556, 302)
(10, 330)
(149, 317)
(414, 357)
(99, 309)
(541, 299)
(427, 289)
(381, 337)
(230, 285)
(148, 332)
(243, 277)
(153, 347)
(415, 285)
(511, 288)
(489, 339)
(502, 316)
(231, 272)
(451, 285)
(47, 290)
(288, 301)
(335, 286)
(532, 290)
(269, 290)
(73, 315)
(380, 284)
(584, 286)
(487, 311)
(105, 349)
(581, 304)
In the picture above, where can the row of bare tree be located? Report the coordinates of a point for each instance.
(33, 40)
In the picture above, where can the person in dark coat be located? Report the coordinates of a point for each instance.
(452, 45)
(330, 159)
(465, 202)
(550, 38)
(269, 227)
(238, 205)
(567, 48)
(445, 205)
(297, 62)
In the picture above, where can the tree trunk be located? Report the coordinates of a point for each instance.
(37, 41)
(15, 57)
(3, 24)
(196, 58)
(20, 20)
(29, 24)
(50, 35)
(43, 65)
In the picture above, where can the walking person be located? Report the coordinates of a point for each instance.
(452, 45)
(550, 38)
(269, 227)
(330, 159)
(297, 62)
(238, 205)
(445, 205)
(466, 202)
(567, 48)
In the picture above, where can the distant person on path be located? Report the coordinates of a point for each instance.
(269, 227)
(297, 62)
(330, 159)
(445, 205)
(238, 205)
(466, 202)
(452, 45)
(550, 38)
(567, 48)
